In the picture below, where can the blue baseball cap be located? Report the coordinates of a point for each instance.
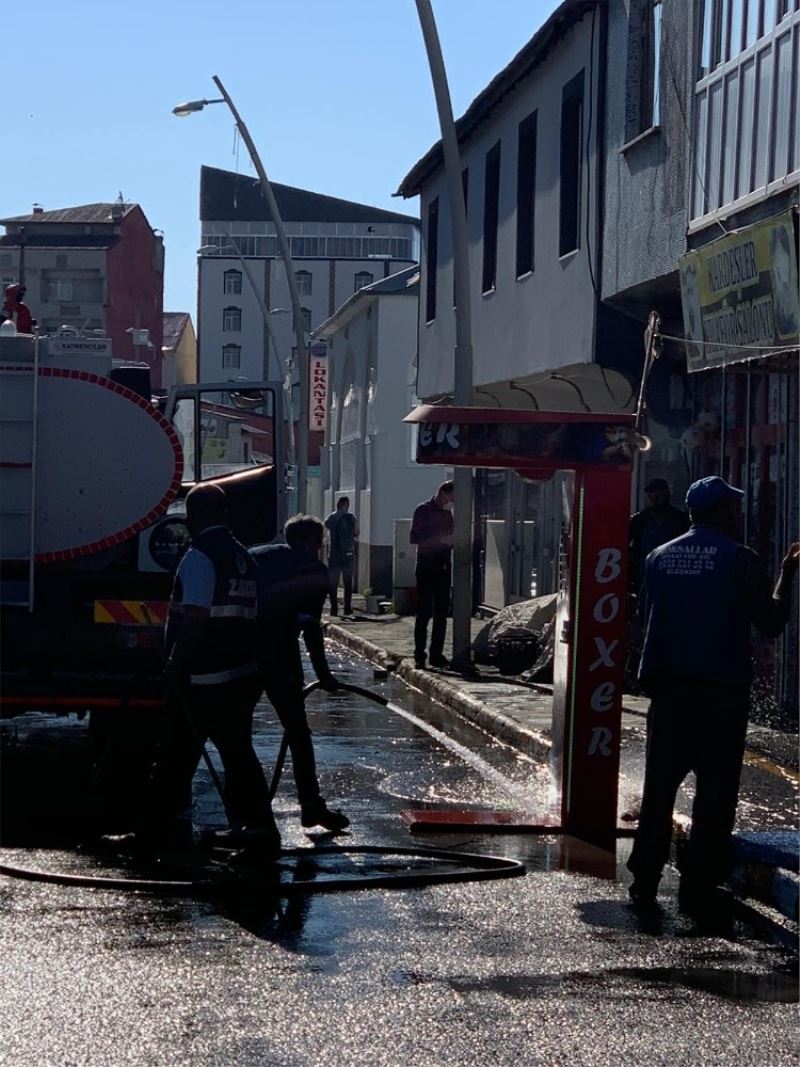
(708, 492)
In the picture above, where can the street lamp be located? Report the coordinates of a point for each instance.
(303, 353)
(184, 110)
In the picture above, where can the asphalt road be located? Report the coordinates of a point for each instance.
(551, 968)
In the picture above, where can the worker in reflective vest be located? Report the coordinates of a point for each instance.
(212, 669)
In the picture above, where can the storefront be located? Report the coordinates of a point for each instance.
(741, 317)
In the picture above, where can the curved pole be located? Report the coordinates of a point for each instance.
(462, 476)
(297, 314)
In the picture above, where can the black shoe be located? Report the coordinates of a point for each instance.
(698, 898)
(419, 662)
(245, 837)
(440, 662)
(643, 891)
(319, 814)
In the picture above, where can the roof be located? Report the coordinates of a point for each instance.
(86, 213)
(175, 323)
(229, 197)
(524, 63)
(405, 281)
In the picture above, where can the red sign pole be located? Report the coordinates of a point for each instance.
(590, 656)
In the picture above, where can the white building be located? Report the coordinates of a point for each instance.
(369, 451)
(337, 247)
(531, 156)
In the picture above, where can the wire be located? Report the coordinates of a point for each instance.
(723, 344)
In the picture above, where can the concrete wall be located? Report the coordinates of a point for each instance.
(646, 176)
(545, 319)
(369, 448)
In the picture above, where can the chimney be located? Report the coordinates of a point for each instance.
(38, 209)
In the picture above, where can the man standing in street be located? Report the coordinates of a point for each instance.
(432, 533)
(703, 591)
(292, 586)
(213, 675)
(654, 525)
(343, 531)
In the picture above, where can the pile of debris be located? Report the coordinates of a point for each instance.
(519, 640)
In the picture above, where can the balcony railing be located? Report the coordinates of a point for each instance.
(747, 125)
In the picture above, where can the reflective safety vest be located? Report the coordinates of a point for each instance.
(697, 623)
(227, 649)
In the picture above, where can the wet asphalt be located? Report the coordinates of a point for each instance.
(554, 967)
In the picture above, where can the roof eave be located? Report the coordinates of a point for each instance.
(526, 60)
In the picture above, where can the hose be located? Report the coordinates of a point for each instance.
(280, 759)
(472, 868)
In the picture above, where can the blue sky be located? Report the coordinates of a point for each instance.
(336, 94)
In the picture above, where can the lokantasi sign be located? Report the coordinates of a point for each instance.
(318, 387)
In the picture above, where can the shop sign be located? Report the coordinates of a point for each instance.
(318, 406)
(740, 294)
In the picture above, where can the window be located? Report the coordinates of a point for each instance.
(306, 313)
(232, 319)
(75, 290)
(650, 66)
(304, 280)
(728, 27)
(362, 278)
(62, 260)
(5, 259)
(491, 206)
(465, 191)
(232, 282)
(526, 193)
(431, 259)
(232, 356)
(570, 181)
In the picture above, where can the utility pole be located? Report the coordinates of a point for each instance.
(462, 517)
(301, 343)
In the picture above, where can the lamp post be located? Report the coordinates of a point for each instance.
(189, 108)
(462, 476)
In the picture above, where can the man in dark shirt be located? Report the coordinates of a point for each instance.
(292, 587)
(432, 533)
(342, 527)
(654, 525)
(702, 593)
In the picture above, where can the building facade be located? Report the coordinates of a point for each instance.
(179, 351)
(369, 453)
(702, 178)
(531, 156)
(337, 247)
(94, 267)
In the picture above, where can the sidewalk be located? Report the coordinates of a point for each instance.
(767, 862)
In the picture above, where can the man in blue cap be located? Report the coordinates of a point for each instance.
(702, 593)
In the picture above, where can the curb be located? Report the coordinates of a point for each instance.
(530, 742)
(766, 886)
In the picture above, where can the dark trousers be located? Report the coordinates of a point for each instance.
(282, 678)
(698, 727)
(223, 714)
(433, 601)
(341, 569)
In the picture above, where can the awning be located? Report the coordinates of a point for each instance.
(578, 387)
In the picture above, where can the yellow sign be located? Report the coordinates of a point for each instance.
(740, 294)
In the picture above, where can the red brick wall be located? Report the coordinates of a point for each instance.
(135, 291)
